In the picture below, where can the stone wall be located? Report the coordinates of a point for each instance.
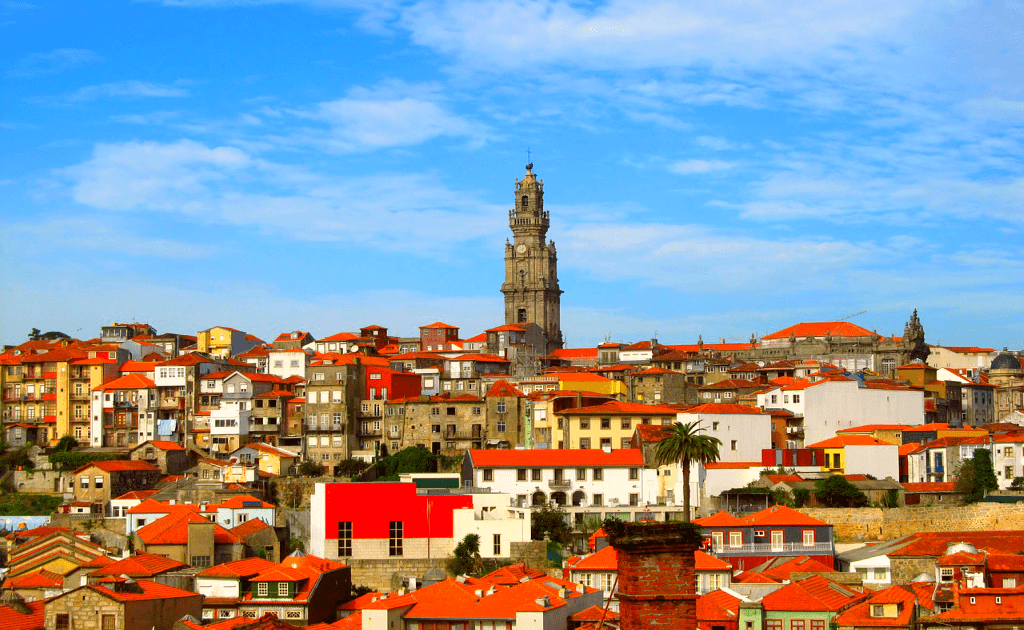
(38, 481)
(859, 524)
(387, 574)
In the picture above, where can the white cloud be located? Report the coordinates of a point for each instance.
(129, 89)
(691, 167)
(99, 233)
(227, 185)
(53, 62)
(714, 143)
(392, 115)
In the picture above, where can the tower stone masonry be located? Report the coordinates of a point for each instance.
(531, 287)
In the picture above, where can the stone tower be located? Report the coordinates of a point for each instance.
(913, 340)
(531, 273)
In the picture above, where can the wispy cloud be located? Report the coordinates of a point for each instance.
(395, 114)
(127, 89)
(694, 167)
(97, 233)
(53, 62)
(227, 185)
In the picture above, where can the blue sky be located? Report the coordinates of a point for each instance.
(714, 168)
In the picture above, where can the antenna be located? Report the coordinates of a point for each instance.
(852, 316)
(528, 160)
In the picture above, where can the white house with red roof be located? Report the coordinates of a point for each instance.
(743, 430)
(288, 362)
(584, 481)
(122, 411)
(748, 541)
(860, 455)
(837, 403)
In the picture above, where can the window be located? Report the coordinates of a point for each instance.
(624, 443)
(488, 474)
(476, 411)
(262, 589)
(808, 538)
(282, 589)
(497, 544)
(946, 574)
(634, 474)
(200, 561)
(773, 624)
(581, 474)
(1009, 582)
(584, 442)
(796, 624)
(735, 539)
(395, 538)
(535, 474)
(584, 423)
(63, 621)
(606, 442)
(626, 422)
(880, 575)
(796, 398)
(84, 484)
(717, 541)
(99, 481)
(344, 539)
(502, 407)
(634, 499)
(501, 426)
(734, 445)
(817, 624)
(598, 499)
(778, 540)
(108, 622)
(598, 474)
(521, 474)
(606, 423)
(435, 411)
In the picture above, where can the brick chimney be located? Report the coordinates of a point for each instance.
(656, 574)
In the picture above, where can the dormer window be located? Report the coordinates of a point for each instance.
(877, 610)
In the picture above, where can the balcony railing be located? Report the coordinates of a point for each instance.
(172, 403)
(559, 483)
(764, 549)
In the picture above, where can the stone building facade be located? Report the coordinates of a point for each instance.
(531, 287)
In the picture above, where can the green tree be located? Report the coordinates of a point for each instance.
(686, 445)
(975, 477)
(550, 519)
(66, 444)
(892, 498)
(800, 497)
(466, 559)
(836, 491)
(309, 468)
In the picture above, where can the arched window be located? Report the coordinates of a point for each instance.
(526, 202)
(521, 316)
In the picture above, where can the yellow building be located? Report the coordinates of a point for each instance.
(587, 382)
(835, 449)
(608, 425)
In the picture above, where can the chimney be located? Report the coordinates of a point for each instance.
(656, 570)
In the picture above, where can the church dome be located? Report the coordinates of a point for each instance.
(1005, 361)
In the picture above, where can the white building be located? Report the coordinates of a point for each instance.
(594, 479)
(287, 363)
(830, 405)
(743, 430)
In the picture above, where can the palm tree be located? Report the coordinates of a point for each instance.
(685, 444)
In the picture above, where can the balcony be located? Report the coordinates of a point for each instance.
(172, 403)
(559, 483)
(768, 549)
(125, 404)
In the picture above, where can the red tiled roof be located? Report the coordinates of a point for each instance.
(815, 593)
(164, 445)
(120, 465)
(173, 530)
(725, 408)
(501, 458)
(859, 615)
(868, 428)
(781, 515)
(929, 486)
(618, 408)
(132, 380)
(849, 440)
(140, 565)
(150, 590)
(249, 528)
(821, 329)
(503, 388)
(40, 578)
(719, 519)
(802, 564)
(604, 560)
(246, 568)
(11, 619)
(752, 577)
(717, 605)
(707, 562)
(653, 432)
(439, 325)
(934, 543)
(731, 465)
(575, 353)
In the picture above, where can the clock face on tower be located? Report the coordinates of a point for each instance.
(521, 248)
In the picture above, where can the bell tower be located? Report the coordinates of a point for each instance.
(531, 273)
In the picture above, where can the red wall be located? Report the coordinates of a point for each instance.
(399, 384)
(372, 506)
